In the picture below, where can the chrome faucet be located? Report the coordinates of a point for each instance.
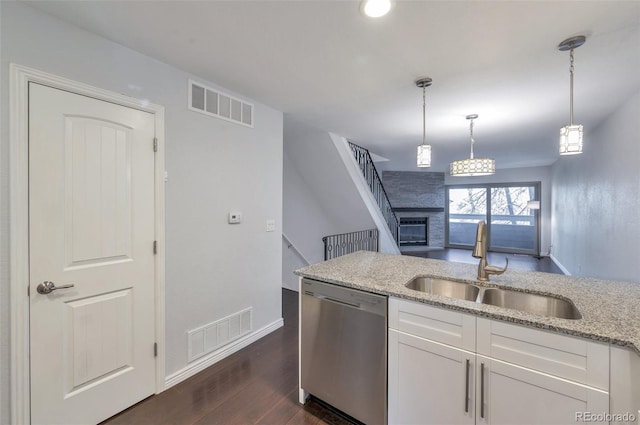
(480, 251)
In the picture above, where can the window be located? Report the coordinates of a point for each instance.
(511, 225)
(467, 206)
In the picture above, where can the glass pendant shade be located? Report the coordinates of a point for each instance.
(473, 167)
(571, 139)
(424, 150)
(424, 156)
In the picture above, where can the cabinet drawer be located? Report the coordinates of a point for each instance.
(437, 324)
(567, 357)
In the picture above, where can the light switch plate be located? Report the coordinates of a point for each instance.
(271, 225)
(235, 217)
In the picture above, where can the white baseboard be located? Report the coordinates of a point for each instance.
(213, 358)
(560, 266)
(544, 253)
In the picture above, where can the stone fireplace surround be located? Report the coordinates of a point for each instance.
(418, 194)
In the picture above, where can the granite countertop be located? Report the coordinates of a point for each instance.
(610, 310)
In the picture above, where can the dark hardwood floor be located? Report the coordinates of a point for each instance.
(259, 384)
(256, 385)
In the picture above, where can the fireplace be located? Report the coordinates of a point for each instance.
(414, 231)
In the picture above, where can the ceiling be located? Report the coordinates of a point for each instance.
(325, 64)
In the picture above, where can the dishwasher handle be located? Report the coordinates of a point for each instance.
(335, 300)
(346, 297)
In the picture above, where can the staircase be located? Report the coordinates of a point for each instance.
(368, 240)
(368, 168)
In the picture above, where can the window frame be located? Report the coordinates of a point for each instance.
(488, 187)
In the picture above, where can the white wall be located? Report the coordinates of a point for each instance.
(291, 261)
(596, 200)
(305, 222)
(306, 219)
(320, 198)
(521, 175)
(213, 269)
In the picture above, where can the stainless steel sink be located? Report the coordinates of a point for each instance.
(532, 303)
(446, 288)
(543, 305)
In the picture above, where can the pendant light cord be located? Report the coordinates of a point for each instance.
(424, 113)
(571, 87)
(471, 136)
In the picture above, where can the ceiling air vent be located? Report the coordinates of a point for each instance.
(212, 102)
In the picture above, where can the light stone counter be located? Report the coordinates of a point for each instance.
(610, 310)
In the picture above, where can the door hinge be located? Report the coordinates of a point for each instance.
(155, 349)
(28, 290)
(155, 247)
(155, 144)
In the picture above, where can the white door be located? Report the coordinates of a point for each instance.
(91, 225)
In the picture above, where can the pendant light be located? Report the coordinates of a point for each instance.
(472, 166)
(424, 150)
(571, 135)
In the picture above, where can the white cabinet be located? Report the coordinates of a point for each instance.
(574, 359)
(516, 375)
(429, 382)
(625, 385)
(517, 395)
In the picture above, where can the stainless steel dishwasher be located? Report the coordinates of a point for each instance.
(343, 350)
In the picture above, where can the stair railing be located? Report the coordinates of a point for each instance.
(346, 243)
(370, 174)
(291, 245)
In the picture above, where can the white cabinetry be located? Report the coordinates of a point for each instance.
(429, 382)
(516, 375)
(625, 385)
(517, 395)
(431, 365)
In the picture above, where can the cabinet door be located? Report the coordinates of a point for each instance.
(509, 394)
(429, 382)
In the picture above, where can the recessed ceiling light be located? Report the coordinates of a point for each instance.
(376, 8)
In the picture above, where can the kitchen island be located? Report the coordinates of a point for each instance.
(486, 343)
(610, 310)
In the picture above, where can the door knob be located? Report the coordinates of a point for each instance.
(47, 287)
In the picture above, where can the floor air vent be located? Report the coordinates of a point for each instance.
(212, 102)
(210, 337)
